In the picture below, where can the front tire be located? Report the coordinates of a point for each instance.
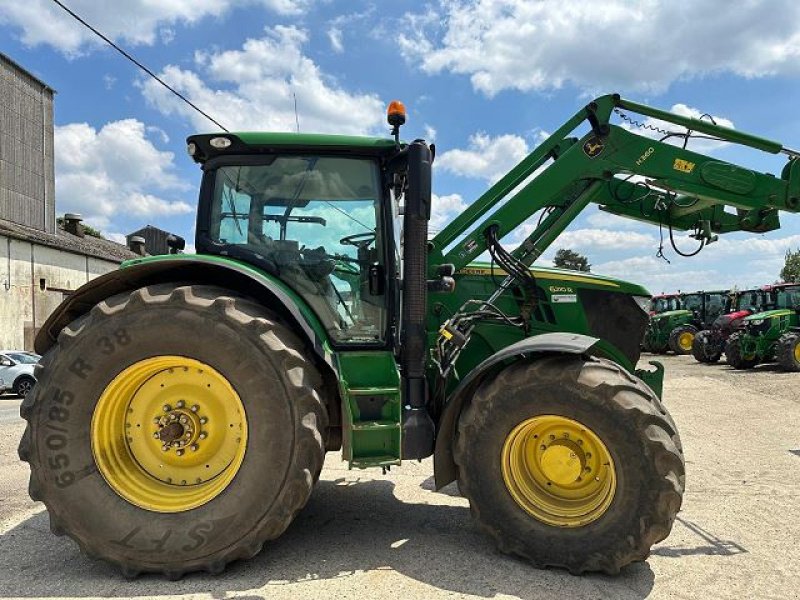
(682, 338)
(735, 356)
(789, 352)
(551, 509)
(224, 367)
(704, 347)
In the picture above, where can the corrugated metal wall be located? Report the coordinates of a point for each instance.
(27, 177)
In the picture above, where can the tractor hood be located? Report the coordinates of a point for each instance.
(671, 313)
(778, 312)
(563, 275)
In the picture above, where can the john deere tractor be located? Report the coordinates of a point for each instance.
(709, 344)
(664, 302)
(185, 403)
(770, 336)
(675, 329)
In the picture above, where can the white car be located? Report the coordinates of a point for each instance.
(16, 369)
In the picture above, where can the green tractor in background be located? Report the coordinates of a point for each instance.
(709, 344)
(184, 404)
(664, 302)
(769, 336)
(675, 329)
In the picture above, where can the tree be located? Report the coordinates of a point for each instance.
(790, 272)
(569, 259)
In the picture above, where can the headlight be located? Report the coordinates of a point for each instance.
(757, 322)
(643, 302)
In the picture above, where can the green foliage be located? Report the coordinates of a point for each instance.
(790, 272)
(569, 259)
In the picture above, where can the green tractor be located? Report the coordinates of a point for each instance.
(675, 329)
(664, 302)
(185, 403)
(709, 344)
(769, 336)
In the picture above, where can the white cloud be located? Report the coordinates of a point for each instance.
(133, 21)
(486, 157)
(654, 128)
(113, 171)
(430, 133)
(254, 90)
(615, 46)
(335, 37)
(604, 239)
(444, 209)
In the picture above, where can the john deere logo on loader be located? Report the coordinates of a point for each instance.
(593, 147)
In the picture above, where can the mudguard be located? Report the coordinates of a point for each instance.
(444, 467)
(188, 269)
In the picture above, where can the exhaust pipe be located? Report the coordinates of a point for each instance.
(418, 428)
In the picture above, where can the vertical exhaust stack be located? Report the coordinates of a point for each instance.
(73, 223)
(136, 245)
(418, 427)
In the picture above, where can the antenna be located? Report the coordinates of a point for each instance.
(296, 118)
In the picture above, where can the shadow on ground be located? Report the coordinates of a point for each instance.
(347, 527)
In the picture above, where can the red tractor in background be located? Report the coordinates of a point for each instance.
(709, 344)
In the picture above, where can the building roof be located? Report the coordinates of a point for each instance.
(142, 230)
(22, 69)
(62, 240)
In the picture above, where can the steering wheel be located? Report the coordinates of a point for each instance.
(359, 240)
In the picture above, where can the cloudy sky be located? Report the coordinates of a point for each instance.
(485, 80)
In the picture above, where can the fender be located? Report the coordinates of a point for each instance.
(444, 467)
(190, 269)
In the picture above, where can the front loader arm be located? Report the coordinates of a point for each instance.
(626, 174)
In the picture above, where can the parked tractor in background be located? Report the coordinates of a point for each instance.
(709, 344)
(664, 302)
(184, 403)
(769, 336)
(675, 329)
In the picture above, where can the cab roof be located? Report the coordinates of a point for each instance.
(259, 142)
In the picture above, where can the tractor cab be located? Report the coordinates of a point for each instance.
(311, 210)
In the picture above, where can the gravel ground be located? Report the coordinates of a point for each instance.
(364, 535)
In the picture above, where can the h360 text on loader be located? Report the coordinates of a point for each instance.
(184, 404)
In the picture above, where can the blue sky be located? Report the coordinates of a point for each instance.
(485, 80)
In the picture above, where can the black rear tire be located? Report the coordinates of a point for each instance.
(678, 336)
(280, 391)
(630, 420)
(788, 352)
(734, 356)
(704, 348)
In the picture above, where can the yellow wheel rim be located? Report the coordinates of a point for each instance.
(797, 352)
(169, 434)
(559, 471)
(685, 340)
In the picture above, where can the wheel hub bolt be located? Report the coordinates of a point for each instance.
(195, 408)
(194, 447)
(179, 452)
(180, 404)
(203, 420)
(167, 408)
(183, 420)
(164, 448)
(203, 435)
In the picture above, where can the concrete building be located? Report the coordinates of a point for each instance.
(41, 262)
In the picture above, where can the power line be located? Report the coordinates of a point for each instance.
(140, 65)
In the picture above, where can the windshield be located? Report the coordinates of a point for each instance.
(716, 304)
(24, 358)
(316, 220)
(693, 302)
(664, 304)
(789, 297)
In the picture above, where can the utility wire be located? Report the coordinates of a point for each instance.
(140, 65)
